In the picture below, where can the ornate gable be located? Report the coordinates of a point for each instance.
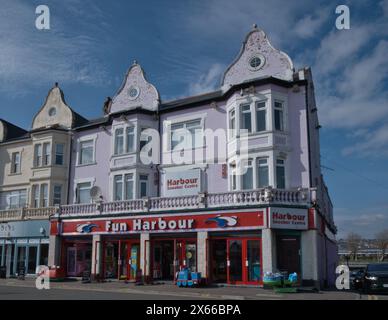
(135, 92)
(257, 59)
(54, 112)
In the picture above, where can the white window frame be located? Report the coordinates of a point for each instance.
(181, 119)
(63, 154)
(85, 139)
(46, 154)
(35, 195)
(147, 184)
(18, 168)
(284, 165)
(44, 197)
(92, 182)
(61, 191)
(242, 105)
(123, 175)
(278, 97)
(257, 109)
(37, 147)
(124, 127)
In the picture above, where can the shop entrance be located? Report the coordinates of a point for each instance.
(121, 259)
(236, 260)
(79, 258)
(288, 253)
(172, 255)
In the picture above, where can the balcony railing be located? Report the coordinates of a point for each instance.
(27, 213)
(265, 196)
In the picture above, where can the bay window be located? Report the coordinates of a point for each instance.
(46, 154)
(280, 174)
(246, 118)
(59, 154)
(247, 177)
(57, 195)
(119, 141)
(261, 116)
(118, 188)
(262, 173)
(38, 155)
(143, 184)
(232, 123)
(130, 134)
(45, 199)
(279, 116)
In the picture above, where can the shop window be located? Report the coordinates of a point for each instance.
(21, 259)
(59, 154)
(32, 255)
(43, 258)
(15, 165)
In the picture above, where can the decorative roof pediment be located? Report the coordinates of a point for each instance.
(55, 112)
(257, 59)
(135, 92)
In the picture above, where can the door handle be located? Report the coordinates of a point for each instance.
(228, 263)
(246, 263)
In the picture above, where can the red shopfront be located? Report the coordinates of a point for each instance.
(174, 244)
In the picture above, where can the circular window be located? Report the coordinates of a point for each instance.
(52, 112)
(133, 92)
(256, 62)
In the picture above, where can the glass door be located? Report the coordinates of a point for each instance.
(235, 261)
(134, 259)
(71, 261)
(243, 261)
(253, 248)
(32, 255)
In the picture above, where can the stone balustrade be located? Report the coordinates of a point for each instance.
(266, 196)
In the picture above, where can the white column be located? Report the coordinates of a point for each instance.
(145, 263)
(96, 255)
(202, 253)
(268, 250)
(54, 251)
(309, 255)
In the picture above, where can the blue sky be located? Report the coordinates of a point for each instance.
(184, 46)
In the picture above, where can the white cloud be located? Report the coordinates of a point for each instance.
(208, 81)
(30, 57)
(308, 26)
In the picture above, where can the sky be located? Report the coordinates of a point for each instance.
(185, 46)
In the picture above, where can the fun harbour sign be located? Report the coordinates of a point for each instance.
(145, 225)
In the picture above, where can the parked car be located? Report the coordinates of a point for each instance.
(375, 277)
(356, 279)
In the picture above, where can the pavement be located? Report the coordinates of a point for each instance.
(14, 289)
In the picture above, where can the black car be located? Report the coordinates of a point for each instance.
(357, 279)
(375, 277)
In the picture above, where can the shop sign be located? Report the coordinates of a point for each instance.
(288, 218)
(33, 228)
(167, 223)
(182, 183)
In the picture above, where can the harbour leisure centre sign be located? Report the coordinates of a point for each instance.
(182, 183)
(288, 218)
